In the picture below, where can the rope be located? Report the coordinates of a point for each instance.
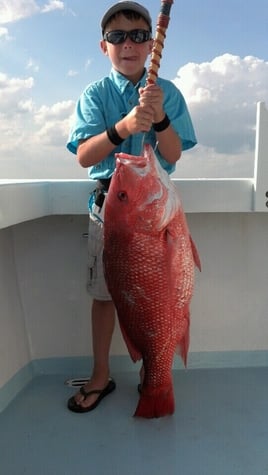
(161, 27)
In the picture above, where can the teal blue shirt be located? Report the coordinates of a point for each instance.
(105, 102)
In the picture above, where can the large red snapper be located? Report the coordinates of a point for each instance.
(149, 262)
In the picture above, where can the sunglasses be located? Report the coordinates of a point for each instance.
(117, 37)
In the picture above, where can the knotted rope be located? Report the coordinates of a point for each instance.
(161, 27)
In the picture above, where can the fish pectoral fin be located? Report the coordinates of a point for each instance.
(195, 254)
(171, 234)
(183, 336)
(134, 353)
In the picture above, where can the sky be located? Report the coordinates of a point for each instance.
(216, 52)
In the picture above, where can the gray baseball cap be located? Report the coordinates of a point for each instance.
(128, 5)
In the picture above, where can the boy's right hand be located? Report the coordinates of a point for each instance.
(139, 119)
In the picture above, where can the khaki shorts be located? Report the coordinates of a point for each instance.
(96, 284)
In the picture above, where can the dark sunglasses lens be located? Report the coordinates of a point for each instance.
(137, 36)
(115, 37)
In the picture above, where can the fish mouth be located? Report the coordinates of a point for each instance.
(136, 164)
(141, 165)
(139, 162)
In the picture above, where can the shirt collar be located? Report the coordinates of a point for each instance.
(122, 83)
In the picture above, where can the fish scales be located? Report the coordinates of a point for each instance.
(149, 263)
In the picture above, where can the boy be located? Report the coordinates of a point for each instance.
(112, 115)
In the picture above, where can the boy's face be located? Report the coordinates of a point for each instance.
(128, 57)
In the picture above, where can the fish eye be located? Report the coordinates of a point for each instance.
(122, 195)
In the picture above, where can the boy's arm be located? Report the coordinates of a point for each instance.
(93, 150)
(169, 144)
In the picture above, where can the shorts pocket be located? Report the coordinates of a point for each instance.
(95, 250)
(91, 270)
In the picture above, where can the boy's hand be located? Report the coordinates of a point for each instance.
(139, 119)
(152, 95)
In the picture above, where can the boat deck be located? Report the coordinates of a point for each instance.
(220, 427)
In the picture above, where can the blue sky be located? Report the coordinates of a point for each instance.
(216, 52)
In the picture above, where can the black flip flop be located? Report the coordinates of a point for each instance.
(74, 407)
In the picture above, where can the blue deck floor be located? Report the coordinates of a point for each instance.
(220, 428)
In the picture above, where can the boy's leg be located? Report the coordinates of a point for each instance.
(103, 320)
(102, 312)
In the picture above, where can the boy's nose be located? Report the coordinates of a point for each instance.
(128, 42)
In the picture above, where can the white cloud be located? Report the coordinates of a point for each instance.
(204, 162)
(4, 33)
(222, 97)
(53, 133)
(12, 90)
(33, 139)
(25, 106)
(53, 123)
(24, 125)
(72, 73)
(52, 5)
(14, 10)
(58, 111)
(88, 63)
(16, 113)
(32, 65)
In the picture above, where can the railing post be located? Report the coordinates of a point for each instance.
(261, 160)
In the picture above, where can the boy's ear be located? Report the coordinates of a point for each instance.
(103, 46)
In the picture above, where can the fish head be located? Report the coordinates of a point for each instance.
(140, 193)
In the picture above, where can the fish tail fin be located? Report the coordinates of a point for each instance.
(157, 402)
(195, 254)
